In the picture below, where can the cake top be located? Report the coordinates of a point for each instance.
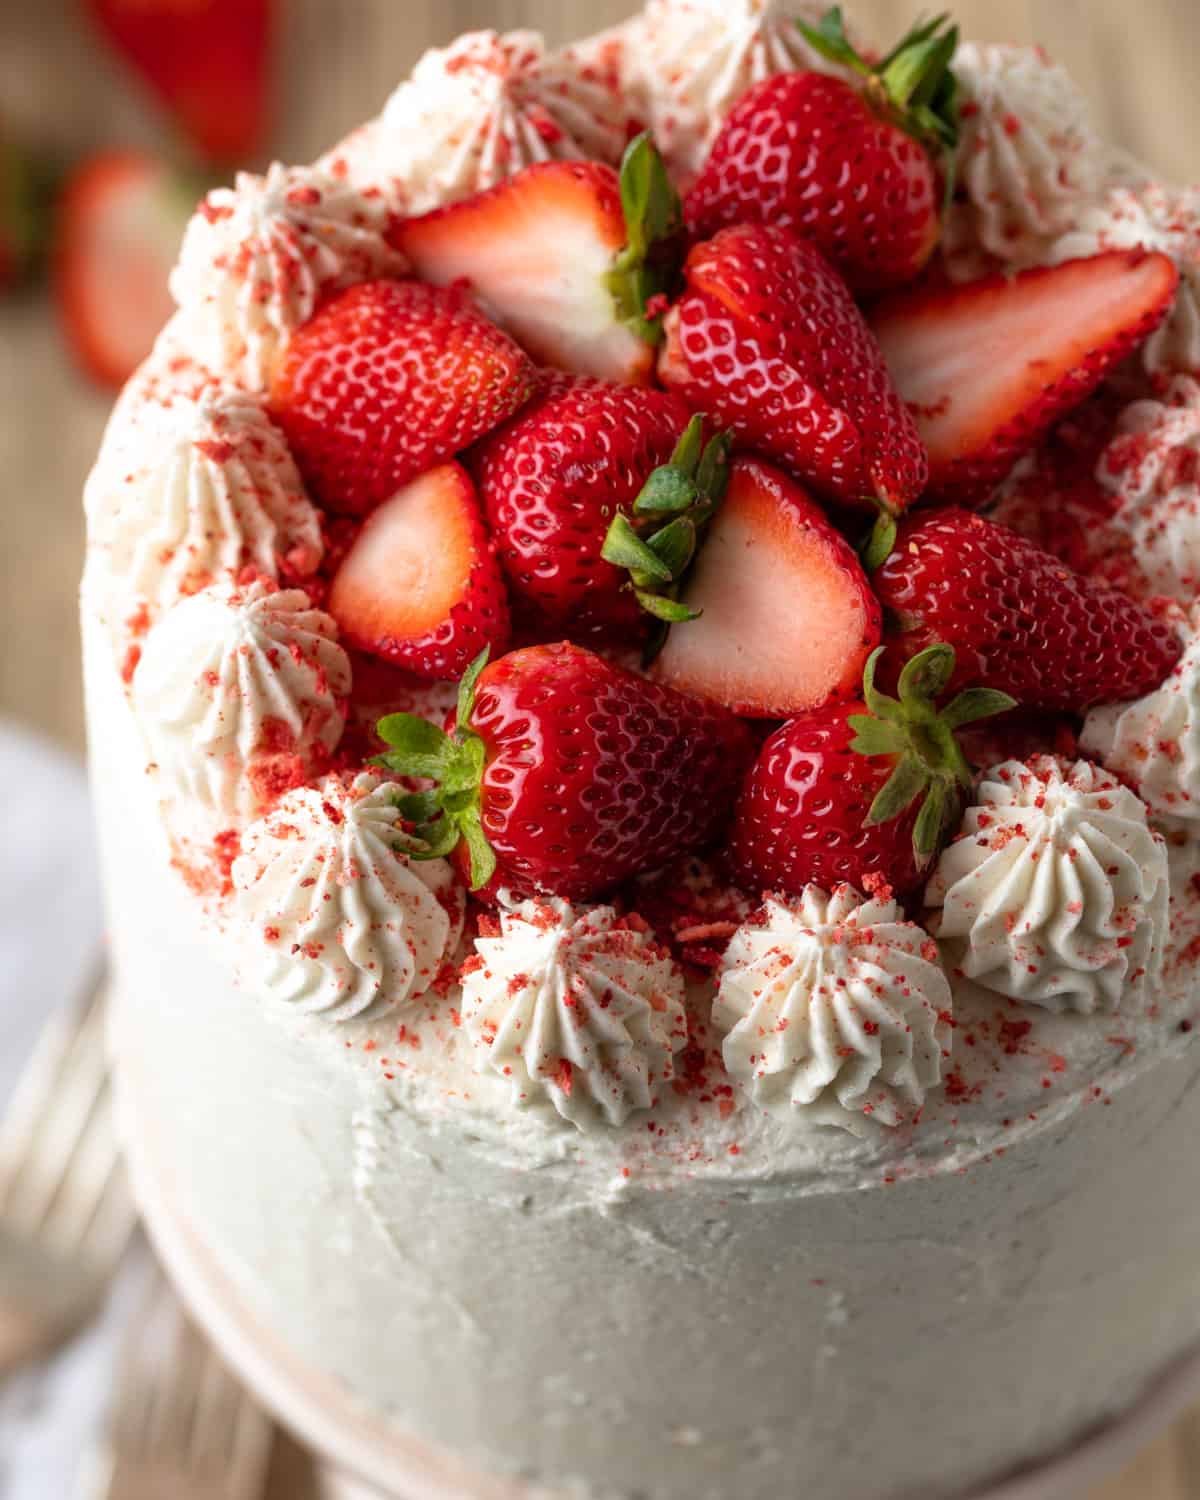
(657, 583)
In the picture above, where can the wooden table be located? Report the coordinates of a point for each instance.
(340, 59)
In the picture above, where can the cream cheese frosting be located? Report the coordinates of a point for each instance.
(690, 61)
(335, 914)
(577, 1007)
(834, 1010)
(1055, 891)
(479, 110)
(1027, 159)
(240, 693)
(188, 489)
(256, 258)
(1156, 218)
(1154, 743)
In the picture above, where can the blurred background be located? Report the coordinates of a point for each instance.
(100, 111)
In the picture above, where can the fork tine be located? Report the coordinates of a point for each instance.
(82, 1190)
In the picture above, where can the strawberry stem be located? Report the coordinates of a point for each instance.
(645, 272)
(930, 764)
(450, 813)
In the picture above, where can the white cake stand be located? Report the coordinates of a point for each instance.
(387, 1465)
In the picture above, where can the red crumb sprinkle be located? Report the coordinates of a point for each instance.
(1012, 1034)
(564, 1076)
(130, 665)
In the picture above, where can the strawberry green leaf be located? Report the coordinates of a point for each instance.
(927, 831)
(899, 791)
(625, 549)
(481, 856)
(976, 703)
(675, 545)
(664, 608)
(648, 266)
(439, 838)
(828, 38)
(876, 736)
(712, 472)
(424, 749)
(880, 704)
(466, 688)
(926, 675)
(668, 490)
(418, 807)
(877, 547)
(690, 446)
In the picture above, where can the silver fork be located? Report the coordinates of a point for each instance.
(66, 1215)
(181, 1426)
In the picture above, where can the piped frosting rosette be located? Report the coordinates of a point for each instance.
(240, 694)
(337, 916)
(577, 1008)
(1055, 891)
(835, 1011)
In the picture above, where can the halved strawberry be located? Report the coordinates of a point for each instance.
(987, 367)
(768, 341)
(787, 618)
(120, 220)
(387, 380)
(420, 585)
(565, 255)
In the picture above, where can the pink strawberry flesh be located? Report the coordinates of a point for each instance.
(419, 586)
(788, 618)
(986, 368)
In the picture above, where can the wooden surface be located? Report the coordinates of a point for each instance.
(339, 60)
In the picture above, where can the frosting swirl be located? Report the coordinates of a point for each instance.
(835, 1010)
(1027, 158)
(1156, 218)
(337, 918)
(1154, 743)
(479, 110)
(257, 257)
(1055, 891)
(189, 489)
(576, 1007)
(240, 695)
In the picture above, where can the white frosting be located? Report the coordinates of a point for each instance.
(1154, 744)
(1027, 159)
(187, 490)
(238, 688)
(575, 1008)
(1157, 218)
(477, 111)
(1152, 467)
(692, 60)
(335, 915)
(835, 1009)
(1055, 892)
(257, 257)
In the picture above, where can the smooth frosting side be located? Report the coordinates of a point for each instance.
(335, 915)
(1055, 892)
(835, 1010)
(1156, 218)
(240, 693)
(1027, 160)
(577, 1007)
(1154, 743)
(191, 487)
(256, 258)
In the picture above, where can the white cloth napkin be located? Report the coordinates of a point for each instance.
(50, 936)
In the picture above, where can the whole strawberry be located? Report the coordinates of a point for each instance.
(769, 342)
(1018, 618)
(553, 479)
(864, 792)
(567, 775)
(851, 167)
(387, 380)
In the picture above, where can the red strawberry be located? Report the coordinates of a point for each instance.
(849, 168)
(859, 792)
(988, 366)
(207, 61)
(786, 616)
(420, 586)
(388, 379)
(567, 775)
(552, 481)
(563, 254)
(120, 219)
(769, 342)
(1018, 618)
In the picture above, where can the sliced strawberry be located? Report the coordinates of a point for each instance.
(987, 367)
(208, 61)
(120, 220)
(768, 341)
(787, 617)
(562, 256)
(420, 586)
(389, 379)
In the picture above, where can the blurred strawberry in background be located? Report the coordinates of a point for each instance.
(208, 63)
